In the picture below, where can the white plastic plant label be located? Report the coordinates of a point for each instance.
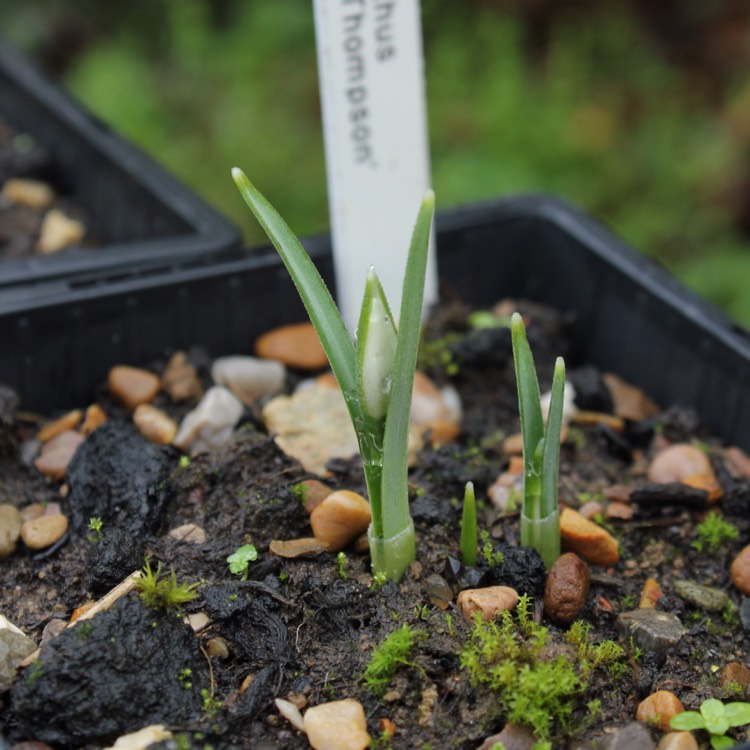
(371, 71)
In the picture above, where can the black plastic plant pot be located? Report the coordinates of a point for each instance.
(136, 213)
(630, 316)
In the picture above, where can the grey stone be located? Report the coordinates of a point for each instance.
(652, 631)
(631, 736)
(14, 648)
(707, 598)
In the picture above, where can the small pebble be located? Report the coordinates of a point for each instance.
(132, 386)
(25, 192)
(490, 601)
(566, 588)
(591, 509)
(741, 571)
(141, 739)
(629, 402)
(738, 462)
(620, 511)
(338, 725)
(95, 417)
(296, 346)
(340, 519)
(687, 464)
(745, 615)
(14, 648)
(57, 453)
(633, 736)
(512, 737)
(154, 424)
(652, 630)
(52, 629)
(44, 531)
(189, 532)
(434, 410)
(659, 707)
(293, 548)
(438, 591)
(197, 621)
(311, 492)
(707, 598)
(678, 741)
(58, 231)
(180, 379)
(289, 711)
(217, 648)
(68, 421)
(650, 594)
(736, 673)
(211, 423)
(591, 542)
(10, 529)
(249, 378)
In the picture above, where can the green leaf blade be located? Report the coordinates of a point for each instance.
(737, 713)
(687, 721)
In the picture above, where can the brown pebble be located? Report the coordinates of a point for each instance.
(629, 402)
(57, 453)
(659, 707)
(513, 444)
(52, 629)
(678, 462)
(95, 417)
(678, 741)
(741, 571)
(617, 493)
(293, 548)
(58, 231)
(132, 386)
(591, 509)
(593, 543)
(154, 424)
(340, 519)
(566, 588)
(68, 421)
(650, 594)
(180, 379)
(32, 511)
(25, 192)
(295, 345)
(312, 493)
(338, 725)
(246, 683)
(738, 462)
(79, 612)
(515, 466)
(217, 648)
(620, 511)
(438, 591)
(188, 532)
(10, 529)
(736, 673)
(490, 601)
(44, 531)
(595, 418)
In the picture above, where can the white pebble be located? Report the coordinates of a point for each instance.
(249, 378)
(211, 423)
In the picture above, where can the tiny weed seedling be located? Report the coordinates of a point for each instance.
(713, 533)
(239, 561)
(716, 718)
(342, 565)
(95, 526)
(165, 593)
(376, 376)
(469, 527)
(492, 558)
(540, 517)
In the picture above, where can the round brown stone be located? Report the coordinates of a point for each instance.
(132, 386)
(10, 529)
(741, 571)
(295, 345)
(566, 588)
(44, 531)
(659, 707)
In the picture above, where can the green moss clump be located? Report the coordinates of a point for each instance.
(713, 533)
(386, 658)
(511, 657)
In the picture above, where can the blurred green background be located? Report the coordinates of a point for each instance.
(637, 111)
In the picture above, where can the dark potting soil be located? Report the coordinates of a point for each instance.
(307, 627)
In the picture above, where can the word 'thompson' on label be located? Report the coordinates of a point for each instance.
(372, 93)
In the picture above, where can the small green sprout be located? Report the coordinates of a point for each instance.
(540, 517)
(342, 564)
(239, 561)
(492, 558)
(184, 462)
(165, 593)
(376, 375)
(378, 581)
(716, 718)
(714, 532)
(469, 527)
(95, 525)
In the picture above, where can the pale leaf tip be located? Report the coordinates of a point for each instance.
(429, 198)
